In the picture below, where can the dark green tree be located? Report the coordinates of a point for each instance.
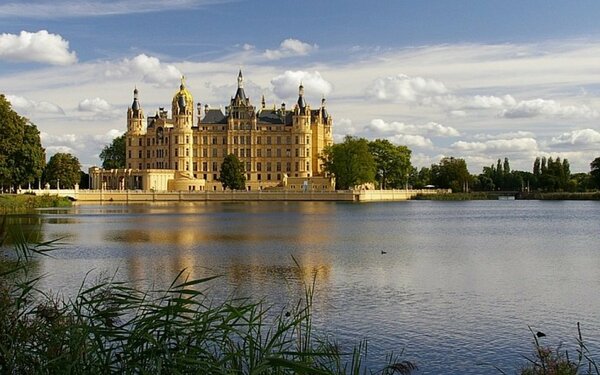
(451, 173)
(113, 155)
(63, 170)
(350, 162)
(595, 172)
(392, 163)
(232, 173)
(22, 157)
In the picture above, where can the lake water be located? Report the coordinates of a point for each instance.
(456, 289)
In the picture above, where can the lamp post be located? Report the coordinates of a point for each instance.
(58, 184)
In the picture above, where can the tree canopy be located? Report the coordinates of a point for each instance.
(232, 173)
(113, 155)
(392, 163)
(22, 157)
(64, 168)
(595, 172)
(451, 173)
(350, 162)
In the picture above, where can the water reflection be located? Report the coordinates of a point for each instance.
(452, 271)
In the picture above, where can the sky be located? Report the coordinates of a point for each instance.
(473, 79)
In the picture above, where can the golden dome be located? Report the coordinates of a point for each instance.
(183, 98)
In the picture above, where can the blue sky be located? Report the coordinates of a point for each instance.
(480, 80)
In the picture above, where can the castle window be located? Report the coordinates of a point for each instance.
(129, 140)
(214, 140)
(269, 176)
(268, 166)
(278, 152)
(297, 140)
(268, 152)
(235, 140)
(259, 153)
(259, 166)
(268, 140)
(224, 140)
(176, 166)
(195, 152)
(307, 140)
(195, 166)
(248, 140)
(140, 154)
(288, 167)
(297, 153)
(147, 165)
(148, 154)
(297, 167)
(248, 166)
(204, 139)
(248, 153)
(147, 141)
(129, 156)
(308, 152)
(214, 152)
(242, 140)
(187, 139)
(187, 152)
(176, 139)
(139, 165)
(288, 152)
(278, 140)
(214, 167)
(195, 140)
(204, 152)
(187, 165)
(278, 167)
(288, 140)
(139, 141)
(176, 153)
(308, 166)
(258, 140)
(242, 153)
(258, 177)
(204, 167)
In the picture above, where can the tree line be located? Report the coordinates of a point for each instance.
(23, 159)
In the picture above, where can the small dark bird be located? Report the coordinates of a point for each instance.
(287, 314)
(540, 334)
(383, 252)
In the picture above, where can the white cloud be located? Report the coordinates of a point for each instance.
(285, 86)
(509, 135)
(581, 137)
(402, 88)
(151, 69)
(26, 106)
(94, 105)
(379, 127)
(81, 146)
(549, 108)
(83, 8)
(411, 140)
(497, 145)
(41, 47)
(290, 47)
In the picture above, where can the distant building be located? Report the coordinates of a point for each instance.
(279, 147)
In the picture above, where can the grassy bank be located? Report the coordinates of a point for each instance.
(594, 195)
(456, 196)
(10, 203)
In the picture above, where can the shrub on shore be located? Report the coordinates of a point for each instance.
(23, 202)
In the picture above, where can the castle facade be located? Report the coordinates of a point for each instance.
(279, 147)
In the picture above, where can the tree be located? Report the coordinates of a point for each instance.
(113, 155)
(22, 157)
(350, 162)
(595, 172)
(232, 173)
(392, 163)
(451, 173)
(63, 170)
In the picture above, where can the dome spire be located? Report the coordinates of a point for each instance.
(240, 80)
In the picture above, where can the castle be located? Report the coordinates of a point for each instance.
(279, 147)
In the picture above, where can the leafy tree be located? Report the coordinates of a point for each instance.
(420, 178)
(22, 157)
(595, 172)
(392, 163)
(451, 173)
(113, 155)
(350, 162)
(65, 168)
(232, 173)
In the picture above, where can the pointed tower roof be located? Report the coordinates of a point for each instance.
(240, 96)
(301, 101)
(136, 104)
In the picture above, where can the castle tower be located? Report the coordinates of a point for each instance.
(302, 134)
(183, 115)
(136, 130)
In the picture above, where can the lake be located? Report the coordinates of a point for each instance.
(454, 285)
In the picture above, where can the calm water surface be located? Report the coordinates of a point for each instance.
(459, 285)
